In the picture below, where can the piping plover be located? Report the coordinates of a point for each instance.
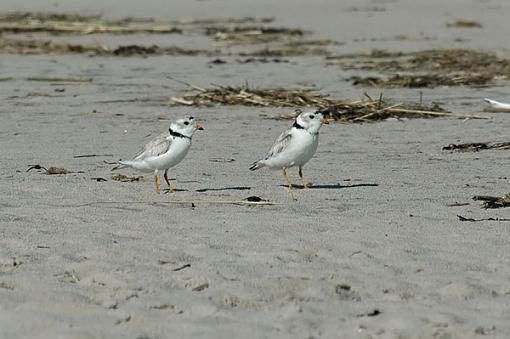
(164, 151)
(294, 147)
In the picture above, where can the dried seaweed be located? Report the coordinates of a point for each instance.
(125, 178)
(340, 110)
(60, 80)
(450, 67)
(50, 170)
(44, 16)
(85, 27)
(494, 202)
(253, 35)
(421, 80)
(462, 23)
(371, 54)
(320, 42)
(22, 22)
(224, 21)
(70, 17)
(285, 52)
(477, 146)
(22, 46)
(58, 23)
(261, 60)
(15, 46)
(247, 30)
(444, 60)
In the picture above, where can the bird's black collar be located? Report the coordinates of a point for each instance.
(177, 134)
(297, 125)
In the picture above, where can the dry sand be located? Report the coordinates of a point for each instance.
(372, 251)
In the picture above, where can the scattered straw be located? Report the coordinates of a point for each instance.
(340, 110)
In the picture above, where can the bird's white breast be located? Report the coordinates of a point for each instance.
(299, 151)
(176, 152)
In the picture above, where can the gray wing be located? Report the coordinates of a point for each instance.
(155, 147)
(280, 144)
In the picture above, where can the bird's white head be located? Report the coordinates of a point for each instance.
(185, 127)
(311, 120)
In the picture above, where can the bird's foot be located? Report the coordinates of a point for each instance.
(307, 184)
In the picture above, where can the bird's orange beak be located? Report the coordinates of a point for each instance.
(198, 126)
(324, 121)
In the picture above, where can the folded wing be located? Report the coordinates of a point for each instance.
(280, 144)
(155, 147)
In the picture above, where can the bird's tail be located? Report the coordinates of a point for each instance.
(119, 166)
(256, 165)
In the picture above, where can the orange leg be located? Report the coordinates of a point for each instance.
(305, 183)
(170, 188)
(156, 186)
(286, 177)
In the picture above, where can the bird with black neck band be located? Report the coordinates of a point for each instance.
(295, 146)
(165, 151)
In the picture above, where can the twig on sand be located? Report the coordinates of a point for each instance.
(187, 84)
(364, 117)
(182, 101)
(92, 155)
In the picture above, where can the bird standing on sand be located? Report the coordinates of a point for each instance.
(164, 151)
(294, 147)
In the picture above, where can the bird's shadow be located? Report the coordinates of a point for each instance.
(332, 186)
(166, 191)
(232, 188)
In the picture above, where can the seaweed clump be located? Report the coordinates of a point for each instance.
(429, 68)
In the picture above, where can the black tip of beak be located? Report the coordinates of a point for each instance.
(200, 128)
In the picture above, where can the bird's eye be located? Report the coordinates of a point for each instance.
(312, 116)
(186, 123)
(191, 118)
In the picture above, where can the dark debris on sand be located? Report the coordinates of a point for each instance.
(15, 46)
(428, 68)
(477, 146)
(494, 202)
(421, 80)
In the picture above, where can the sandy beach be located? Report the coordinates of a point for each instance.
(375, 249)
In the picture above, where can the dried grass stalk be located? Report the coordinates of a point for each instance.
(340, 110)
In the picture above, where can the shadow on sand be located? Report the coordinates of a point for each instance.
(233, 188)
(165, 191)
